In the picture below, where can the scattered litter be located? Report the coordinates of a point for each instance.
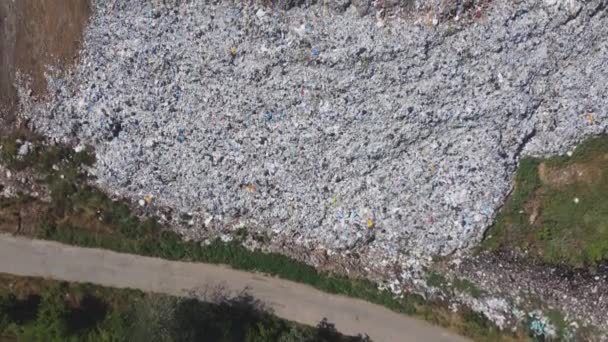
(250, 188)
(24, 149)
(268, 116)
(208, 221)
(370, 223)
(181, 136)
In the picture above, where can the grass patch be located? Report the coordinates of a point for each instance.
(560, 215)
(83, 216)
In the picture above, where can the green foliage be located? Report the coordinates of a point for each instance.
(50, 324)
(152, 319)
(129, 315)
(7, 305)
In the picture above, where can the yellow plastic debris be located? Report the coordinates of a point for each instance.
(148, 199)
(250, 187)
(370, 223)
(232, 51)
(589, 118)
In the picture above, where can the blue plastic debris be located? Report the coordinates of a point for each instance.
(537, 327)
(268, 116)
(181, 137)
(315, 52)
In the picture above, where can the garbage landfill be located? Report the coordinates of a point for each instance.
(329, 130)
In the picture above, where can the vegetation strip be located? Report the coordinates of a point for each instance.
(34, 309)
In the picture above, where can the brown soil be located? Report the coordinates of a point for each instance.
(532, 207)
(26, 215)
(35, 34)
(582, 173)
(21, 217)
(7, 40)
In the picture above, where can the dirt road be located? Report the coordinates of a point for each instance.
(289, 300)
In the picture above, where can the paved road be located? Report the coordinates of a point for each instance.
(289, 300)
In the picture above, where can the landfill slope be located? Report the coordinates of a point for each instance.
(394, 138)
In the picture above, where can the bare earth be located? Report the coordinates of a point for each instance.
(289, 300)
(36, 34)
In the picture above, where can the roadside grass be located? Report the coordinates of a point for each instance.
(562, 220)
(36, 309)
(84, 216)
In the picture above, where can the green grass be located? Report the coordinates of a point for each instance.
(83, 216)
(512, 225)
(565, 232)
(576, 234)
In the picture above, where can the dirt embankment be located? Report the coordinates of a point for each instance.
(35, 34)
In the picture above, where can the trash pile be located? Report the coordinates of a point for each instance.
(330, 131)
